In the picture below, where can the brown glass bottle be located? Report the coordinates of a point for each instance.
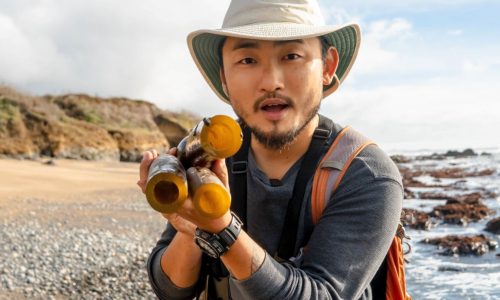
(213, 138)
(166, 188)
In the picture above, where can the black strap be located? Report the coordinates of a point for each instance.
(238, 167)
(308, 166)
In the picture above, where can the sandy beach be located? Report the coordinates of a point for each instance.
(25, 178)
(74, 230)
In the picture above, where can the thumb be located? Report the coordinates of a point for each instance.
(220, 169)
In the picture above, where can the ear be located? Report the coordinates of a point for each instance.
(330, 65)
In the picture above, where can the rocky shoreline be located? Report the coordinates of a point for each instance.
(85, 247)
(462, 205)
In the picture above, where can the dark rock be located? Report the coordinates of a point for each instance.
(463, 245)
(489, 194)
(471, 198)
(49, 162)
(493, 226)
(451, 269)
(415, 219)
(400, 159)
(434, 156)
(461, 213)
(414, 183)
(433, 196)
(460, 173)
(171, 128)
(457, 219)
(450, 154)
(408, 194)
(409, 181)
(466, 153)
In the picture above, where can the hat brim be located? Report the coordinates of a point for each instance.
(204, 47)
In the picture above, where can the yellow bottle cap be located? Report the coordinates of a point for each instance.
(212, 200)
(221, 137)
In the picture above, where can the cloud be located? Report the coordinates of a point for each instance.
(106, 48)
(25, 57)
(455, 32)
(385, 29)
(385, 7)
(379, 47)
(437, 113)
(470, 66)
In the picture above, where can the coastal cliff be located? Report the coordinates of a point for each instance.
(79, 126)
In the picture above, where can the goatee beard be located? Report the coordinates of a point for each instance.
(279, 141)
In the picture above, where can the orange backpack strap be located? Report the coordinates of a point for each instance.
(348, 144)
(396, 282)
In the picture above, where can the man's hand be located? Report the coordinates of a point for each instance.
(147, 160)
(179, 223)
(188, 211)
(187, 218)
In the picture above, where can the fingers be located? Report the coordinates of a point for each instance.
(180, 224)
(172, 151)
(220, 169)
(147, 159)
(169, 216)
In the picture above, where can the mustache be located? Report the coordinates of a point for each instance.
(271, 95)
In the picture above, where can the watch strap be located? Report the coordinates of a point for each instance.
(231, 232)
(222, 241)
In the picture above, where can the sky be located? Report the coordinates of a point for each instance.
(427, 74)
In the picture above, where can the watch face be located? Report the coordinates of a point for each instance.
(206, 247)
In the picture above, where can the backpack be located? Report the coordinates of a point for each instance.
(348, 144)
(340, 151)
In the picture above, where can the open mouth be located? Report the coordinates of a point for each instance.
(274, 105)
(277, 107)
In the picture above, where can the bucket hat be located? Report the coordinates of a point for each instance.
(272, 20)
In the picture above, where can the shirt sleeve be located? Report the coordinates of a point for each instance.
(160, 283)
(348, 244)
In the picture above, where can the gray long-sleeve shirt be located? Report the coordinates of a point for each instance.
(344, 249)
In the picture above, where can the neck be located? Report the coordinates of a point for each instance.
(275, 163)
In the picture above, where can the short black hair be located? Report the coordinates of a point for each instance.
(219, 52)
(324, 47)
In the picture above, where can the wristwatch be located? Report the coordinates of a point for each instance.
(216, 244)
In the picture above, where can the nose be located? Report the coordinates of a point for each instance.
(272, 78)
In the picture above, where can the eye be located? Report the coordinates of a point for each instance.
(291, 56)
(247, 61)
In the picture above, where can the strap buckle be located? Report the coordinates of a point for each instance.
(239, 167)
(401, 234)
(321, 133)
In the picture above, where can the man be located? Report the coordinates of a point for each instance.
(274, 62)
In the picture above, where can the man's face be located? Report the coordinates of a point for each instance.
(274, 87)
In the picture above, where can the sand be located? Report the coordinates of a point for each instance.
(78, 193)
(24, 178)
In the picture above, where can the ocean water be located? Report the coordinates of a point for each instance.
(433, 276)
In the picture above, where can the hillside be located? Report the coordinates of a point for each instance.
(79, 126)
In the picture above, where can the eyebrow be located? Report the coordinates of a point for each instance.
(253, 44)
